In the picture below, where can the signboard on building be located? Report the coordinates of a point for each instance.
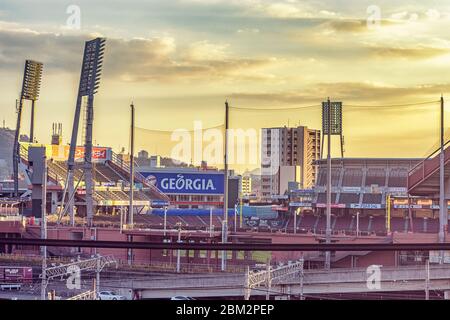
(333, 205)
(397, 190)
(98, 154)
(435, 256)
(61, 152)
(351, 189)
(186, 183)
(279, 196)
(160, 203)
(300, 204)
(366, 206)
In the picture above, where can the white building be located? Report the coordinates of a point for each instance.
(288, 154)
(245, 185)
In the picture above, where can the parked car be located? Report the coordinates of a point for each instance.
(109, 295)
(181, 298)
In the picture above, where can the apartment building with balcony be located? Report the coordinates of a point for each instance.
(288, 155)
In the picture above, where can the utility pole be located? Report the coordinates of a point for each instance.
(427, 280)
(328, 227)
(443, 219)
(247, 287)
(269, 281)
(224, 240)
(32, 122)
(179, 251)
(225, 191)
(357, 224)
(210, 222)
(122, 219)
(98, 269)
(130, 215)
(295, 221)
(388, 212)
(44, 230)
(235, 217)
(165, 220)
(241, 213)
(302, 276)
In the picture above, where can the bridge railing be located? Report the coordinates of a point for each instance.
(88, 295)
(426, 166)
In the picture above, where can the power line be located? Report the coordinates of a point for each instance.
(276, 108)
(345, 105)
(173, 130)
(392, 105)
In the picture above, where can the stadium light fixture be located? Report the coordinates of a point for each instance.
(89, 83)
(335, 115)
(331, 125)
(31, 85)
(92, 67)
(31, 80)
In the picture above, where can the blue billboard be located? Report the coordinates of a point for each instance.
(186, 183)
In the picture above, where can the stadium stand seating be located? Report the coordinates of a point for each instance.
(322, 197)
(372, 198)
(376, 176)
(335, 175)
(104, 171)
(397, 178)
(349, 198)
(352, 178)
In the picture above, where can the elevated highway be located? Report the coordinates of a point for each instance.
(314, 282)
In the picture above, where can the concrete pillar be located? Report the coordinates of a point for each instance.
(54, 200)
(447, 294)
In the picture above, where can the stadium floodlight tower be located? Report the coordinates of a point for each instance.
(89, 83)
(30, 91)
(331, 125)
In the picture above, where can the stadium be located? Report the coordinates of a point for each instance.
(78, 193)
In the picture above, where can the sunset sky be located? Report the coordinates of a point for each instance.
(179, 60)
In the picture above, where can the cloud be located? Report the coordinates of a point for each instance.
(248, 30)
(205, 50)
(419, 52)
(137, 59)
(56, 51)
(353, 25)
(284, 10)
(346, 91)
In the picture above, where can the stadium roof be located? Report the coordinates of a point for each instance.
(371, 160)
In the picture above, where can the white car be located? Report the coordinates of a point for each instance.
(181, 298)
(109, 295)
